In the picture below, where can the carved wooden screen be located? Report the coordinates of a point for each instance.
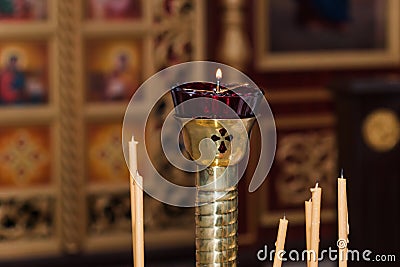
(63, 180)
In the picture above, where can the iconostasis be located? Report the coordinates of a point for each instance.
(68, 70)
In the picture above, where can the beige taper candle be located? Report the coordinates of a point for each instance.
(342, 222)
(280, 242)
(315, 223)
(139, 227)
(308, 211)
(135, 186)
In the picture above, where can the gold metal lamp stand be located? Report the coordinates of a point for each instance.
(217, 194)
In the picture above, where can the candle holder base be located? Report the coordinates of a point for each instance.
(217, 217)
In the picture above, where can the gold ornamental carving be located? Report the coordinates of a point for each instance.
(381, 130)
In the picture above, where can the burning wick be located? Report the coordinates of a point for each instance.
(218, 75)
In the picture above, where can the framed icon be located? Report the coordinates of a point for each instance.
(114, 69)
(23, 73)
(312, 34)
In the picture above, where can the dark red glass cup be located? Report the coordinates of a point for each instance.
(241, 98)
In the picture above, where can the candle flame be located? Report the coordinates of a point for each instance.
(218, 74)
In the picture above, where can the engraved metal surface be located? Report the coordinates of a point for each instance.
(216, 212)
(196, 130)
(216, 220)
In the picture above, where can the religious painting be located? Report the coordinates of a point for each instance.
(25, 156)
(23, 10)
(113, 10)
(23, 73)
(293, 34)
(114, 69)
(106, 163)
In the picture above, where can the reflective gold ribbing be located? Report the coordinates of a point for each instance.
(217, 219)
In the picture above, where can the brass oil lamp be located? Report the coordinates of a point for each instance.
(223, 115)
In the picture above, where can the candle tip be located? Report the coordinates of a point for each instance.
(133, 140)
(138, 179)
(284, 215)
(341, 173)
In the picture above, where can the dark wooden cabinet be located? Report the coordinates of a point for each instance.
(368, 137)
